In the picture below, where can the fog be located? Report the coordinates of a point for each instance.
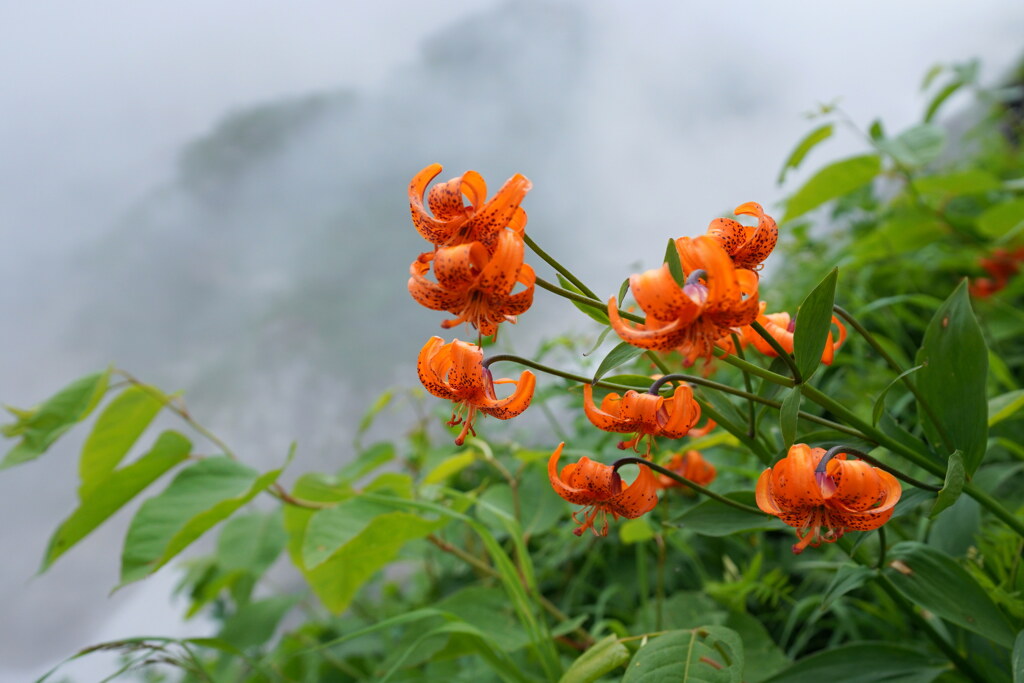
(214, 198)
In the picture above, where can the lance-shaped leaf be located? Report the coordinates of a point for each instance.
(810, 141)
(601, 658)
(952, 380)
(864, 663)
(113, 492)
(596, 314)
(117, 429)
(835, 180)
(813, 322)
(200, 496)
(620, 355)
(39, 427)
(934, 581)
(788, 416)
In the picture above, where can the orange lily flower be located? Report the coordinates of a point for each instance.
(1001, 265)
(690, 465)
(599, 488)
(475, 287)
(456, 372)
(644, 413)
(843, 495)
(781, 327)
(452, 222)
(747, 245)
(716, 298)
(698, 432)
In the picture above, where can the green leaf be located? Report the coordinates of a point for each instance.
(1002, 219)
(623, 288)
(200, 496)
(957, 183)
(380, 404)
(953, 486)
(675, 266)
(601, 658)
(711, 654)
(835, 180)
(361, 546)
(940, 97)
(1017, 661)
(108, 496)
(928, 578)
(810, 141)
(620, 355)
(813, 323)
(788, 416)
(711, 518)
(41, 426)
(636, 531)
(849, 577)
(116, 430)
(864, 663)
(251, 542)
(916, 146)
(450, 466)
(1005, 406)
(953, 379)
(932, 73)
(591, 312)
(254, 624)
(876, 411)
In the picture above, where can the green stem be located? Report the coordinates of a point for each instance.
(881, 548)
(586, 301)
(895, 367)
(752, 413)
(551, 261)
(755, 370)
(777, 347)
(633, 460)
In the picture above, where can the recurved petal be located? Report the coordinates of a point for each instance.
(640, 409)
(430, 294)
(763, 494)
(458, 267)
(731, 234)
(638, 498)
(705, 253)
(598, 417)
(513, 404)
(861, 487)
(520, 302)
(466, 376)
(445, 199)
(501, 273)
(761, 241)
(659, 295)
(431, 229)
(741, 310)
(661, 338)
(793, 483)
(475, 189)
(499, 212)
(681, 413)
(584, 482)
(431, 367)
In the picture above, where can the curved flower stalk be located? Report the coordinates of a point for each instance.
(781, 327)
(453, 222)
(689, 465)
(474, 286)
(645, 414)
(456, 372)
(838, 495)
(748, 246)
(599, 488)
(716, 298)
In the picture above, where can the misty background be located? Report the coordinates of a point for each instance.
(213, 197)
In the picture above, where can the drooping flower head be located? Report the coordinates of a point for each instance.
(473, 285)
(843, 495)
(689, 465)
(644, 414)
(748, 246)
(453, 222)
(781, 327)
(599, 488)
(456, 372)
(716, 298)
